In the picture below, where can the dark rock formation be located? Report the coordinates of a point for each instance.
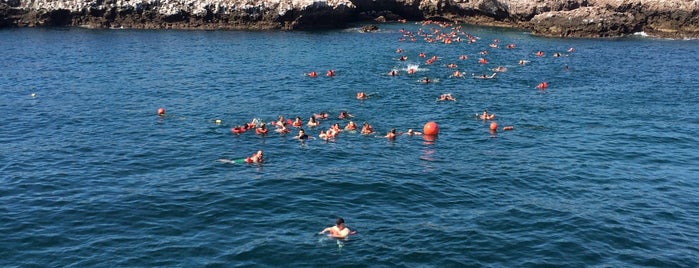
(369, 28)
(584, 22)
(560, 18)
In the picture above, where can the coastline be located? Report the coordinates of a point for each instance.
(577, 18)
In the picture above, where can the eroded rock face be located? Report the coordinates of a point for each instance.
(561, 18)
(197, 14)
(584, 22)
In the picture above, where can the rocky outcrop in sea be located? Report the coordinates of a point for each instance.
(560, 18)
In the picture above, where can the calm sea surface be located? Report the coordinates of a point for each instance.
(601, 168)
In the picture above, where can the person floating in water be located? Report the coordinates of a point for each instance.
(446, 97)
(339, 230)
(391, 135)
(321, 116)
(483, 76)
(345, 115)
(367, 129)
(255, 158)
(485, 115)
(410, 132)
(312, 122)
(302, 135)
(361, 96)
(351, 126)
(500, 69)
(297, 122)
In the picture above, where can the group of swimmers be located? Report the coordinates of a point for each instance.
(448, 33)
(445, 33)
(283, 126)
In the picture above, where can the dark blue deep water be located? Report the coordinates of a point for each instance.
(601, 168)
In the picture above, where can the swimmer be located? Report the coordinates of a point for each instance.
(321, 116)
(403, 58)
(239, 129)
(323, 135)
(391, 135)
(253, 123)
(483, 76)
(446, 97)
(255, 158)
(367, 129)
(297, 122)
(312, 122)
(261, 130)
(500, 69)
(485, 115)
(312, 74)
(302, 135)
(331, 133)
(361, 96)
(539, 53)
(339, 230)
(425, 80)
(411, 71)
(457, 74)
(344, 115)
(351, 126)
(283, 129)
(336, 127)
(280, 121)
(393, 73)
(410, 132)
(330, 73)
(523, 62)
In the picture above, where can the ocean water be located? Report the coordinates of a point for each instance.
(601, 168)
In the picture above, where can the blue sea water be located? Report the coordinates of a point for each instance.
(601, 168)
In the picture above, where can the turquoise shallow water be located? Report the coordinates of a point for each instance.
(600, 169)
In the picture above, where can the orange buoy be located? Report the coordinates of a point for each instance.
(161, 111)
(493, 126)
(430, 128)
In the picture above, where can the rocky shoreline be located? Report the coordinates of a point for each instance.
(555, 18)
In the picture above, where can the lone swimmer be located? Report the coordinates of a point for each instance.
(339, 230)
(255, 158)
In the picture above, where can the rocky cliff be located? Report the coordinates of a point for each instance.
(564, 18)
